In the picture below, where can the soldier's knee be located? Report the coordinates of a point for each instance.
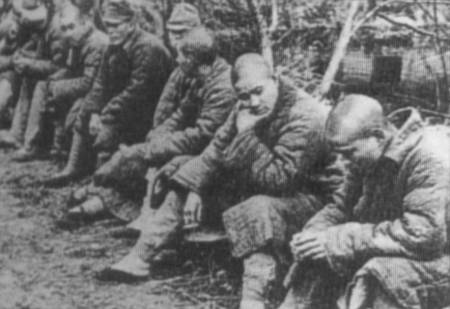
(257, 204)
(40, 88)
(6, 88)
(107, 140)
(257, 207)
(376, 261)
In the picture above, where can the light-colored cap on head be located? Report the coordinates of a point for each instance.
(184, 16)
(30, 4)
(118, 11)
(34, 12)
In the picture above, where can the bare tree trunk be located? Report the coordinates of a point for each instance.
(443, 94)
(341, 48)
(265, 30)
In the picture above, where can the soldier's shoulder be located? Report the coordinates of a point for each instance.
(149, 41)
(100, 38)
(435, 142)
(428, 150)
(304, 105)
(220, 77)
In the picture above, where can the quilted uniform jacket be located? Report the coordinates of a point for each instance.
(50, 51)
(283, 155)
(130, 80)
(174, 90)
(83, 66)
(197, 112)
(397, 220)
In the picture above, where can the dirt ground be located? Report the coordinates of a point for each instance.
(43, 267)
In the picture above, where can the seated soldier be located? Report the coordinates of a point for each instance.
(261, 171)
(122, 100)
(54, 97)
(387, 245)
(199, 96)
(10, 41)
(43, 55)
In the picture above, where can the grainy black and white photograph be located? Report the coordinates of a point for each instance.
(225, 154)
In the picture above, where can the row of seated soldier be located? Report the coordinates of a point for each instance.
(340, 207)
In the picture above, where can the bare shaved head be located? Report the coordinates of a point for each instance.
(354, 117)
(255, 84)
(251, 64)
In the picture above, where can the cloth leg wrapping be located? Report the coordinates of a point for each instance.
(163, 228)
(22, 110)
(260, 273)
(35, 124)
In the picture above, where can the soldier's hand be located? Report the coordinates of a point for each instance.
(20, 63)
(308, 246)
(193, 210)
(95, 124)
(246, 119)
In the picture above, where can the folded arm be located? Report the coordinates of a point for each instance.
(420, 233)
(73, 88)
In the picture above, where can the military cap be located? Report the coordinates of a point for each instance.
(25, 5)
(184, 16)
(30, 4)
(32, 12)
(118, 11)
(84, 5)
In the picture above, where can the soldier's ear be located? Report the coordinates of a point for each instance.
(276, 76)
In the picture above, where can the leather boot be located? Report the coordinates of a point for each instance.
(21, 113)
(260, 273)
(74, 167)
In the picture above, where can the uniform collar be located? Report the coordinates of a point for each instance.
(406, 137)
(287, 92)
(218, 67)
(88, 35)
(288, 96)
(129, 43)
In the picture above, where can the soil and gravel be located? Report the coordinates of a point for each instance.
(44, 267)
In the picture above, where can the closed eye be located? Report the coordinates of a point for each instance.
(244, 96)
(346, 152)
(257, 90)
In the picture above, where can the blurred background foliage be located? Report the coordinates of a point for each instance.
(400, 50)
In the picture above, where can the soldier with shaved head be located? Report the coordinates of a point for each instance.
(386, 245)
(261, 172)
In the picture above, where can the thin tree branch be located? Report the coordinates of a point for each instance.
(265, 29)
(370, 14)
(425, 10)
(275, 17)
(401, 24)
